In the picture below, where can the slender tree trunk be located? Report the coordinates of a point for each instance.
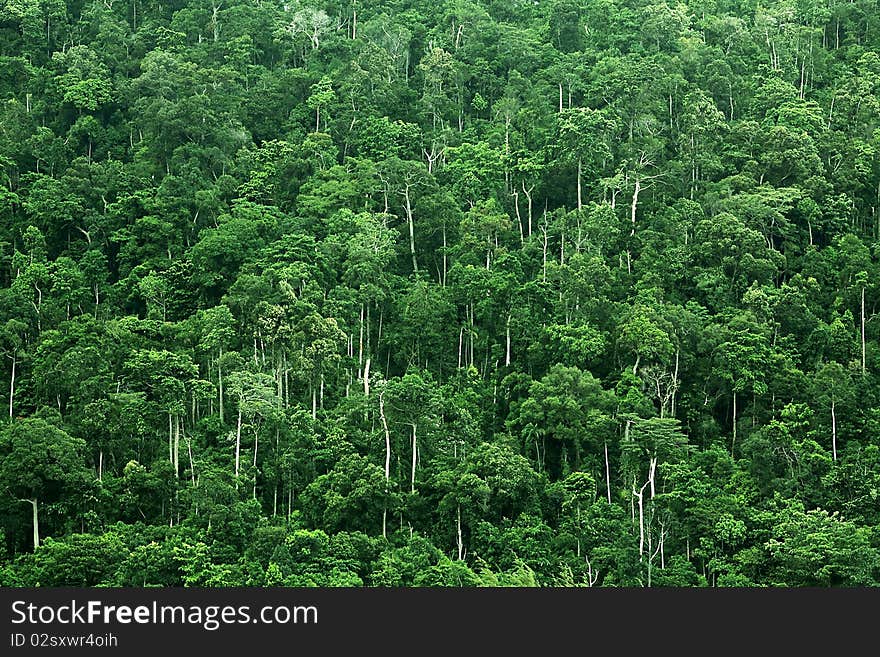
(12, 386)
(238, 444)
(367, 377)
(33, 502)
(176, 446)
(507, 350)
(635, 203)
(833, 429)
(460, 341)
(445, 263)
(192, 465)
(220, 383)
(460, 541)
(256, 447)
(387, 455)
(415, 451)
(640, 496)
(544, 240)
(522, 234)
(733, 441)
(170, 438)
(412, 237)
(863, 331)
(607, 473)
(580, 198)
(528, 193)
(361, 342)
(674, 385)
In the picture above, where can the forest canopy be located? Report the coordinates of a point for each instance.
(454, 293)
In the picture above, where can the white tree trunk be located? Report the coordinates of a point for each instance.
(635, 203)
(220, 384)
(387, 454)
(833, 430)
(409, 221)
(12, 386)
(238, 445)
(863, 331)
(460, 540)
(507, 350)
(607, 474)
(415, 451)
(33, 503)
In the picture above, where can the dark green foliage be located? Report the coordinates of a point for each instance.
(456, 294)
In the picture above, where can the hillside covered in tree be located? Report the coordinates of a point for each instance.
(456, 293)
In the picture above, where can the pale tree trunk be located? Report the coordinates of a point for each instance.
(460, 342)
(640, 496)
(387, 457)
(507, 350)
(635, 203)
(445, 263)
(544, 240)
(256, 446)
(863, 331)
(361, 342)
(415, 452)
(528, 193)
(460, 540)
(592, 576)
(36, 522)
(170, 438)
(652, 553)
(607, 473)
(238, 444)
(833, 429)
(220, 383)
(12, 386)
(674, 385)
(176, 446)
(733, 441)
(580, 201)
(662, 553)
(367, 377)
(522, 234)
(412, 237)
(192, 465)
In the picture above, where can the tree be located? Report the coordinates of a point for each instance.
(322, 95)
(350, 497)
(582, 139)
(833, 386)
(41, 464)
(570, 408)
(743, 361)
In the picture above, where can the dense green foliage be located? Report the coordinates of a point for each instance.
(577, 292)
